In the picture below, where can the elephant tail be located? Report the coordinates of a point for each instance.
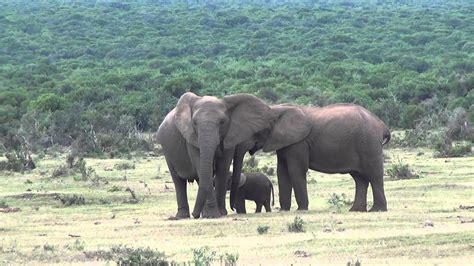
(273, 196)
(386, 136)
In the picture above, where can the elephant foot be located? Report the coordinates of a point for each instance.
(284, 210)
(376, 208)
(223, 211)
(214, 213)
(180, 216)
(302, 209)
(358, 209)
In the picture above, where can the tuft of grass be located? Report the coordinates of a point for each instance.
(400, 170)
(263, 229)
(297, 226)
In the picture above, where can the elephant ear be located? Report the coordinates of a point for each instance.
(248, 115)
(292, 125)
(183, 117)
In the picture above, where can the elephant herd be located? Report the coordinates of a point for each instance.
(202, 136)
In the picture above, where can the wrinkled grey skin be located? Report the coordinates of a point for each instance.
(339, 138)
(256, 187)
(200, 137)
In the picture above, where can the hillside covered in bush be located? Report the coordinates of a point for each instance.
(93, 74)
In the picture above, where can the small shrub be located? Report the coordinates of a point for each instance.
(138, 256)
(77, 245)
(60, 171)
(3, 205)
(17, 162)
(338, 201)
(230, 259)
(352, 263)
(250, 165)
(69, 200)
(297, 225)
(263, 229)
(124, 166)
(47, 247)
(268, 170)
(401, 170)
(124, 255)
(114, 189)
(203, 256)
(446, 148)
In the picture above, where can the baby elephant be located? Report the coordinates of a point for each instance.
(256, 187)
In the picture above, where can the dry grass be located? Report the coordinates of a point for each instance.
(400, 236)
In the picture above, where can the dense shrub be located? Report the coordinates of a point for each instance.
(99, 97)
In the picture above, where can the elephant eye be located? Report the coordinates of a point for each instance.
(222, 121)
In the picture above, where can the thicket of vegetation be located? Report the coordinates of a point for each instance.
(94, 75)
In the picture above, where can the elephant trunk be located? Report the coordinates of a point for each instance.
(208, 141)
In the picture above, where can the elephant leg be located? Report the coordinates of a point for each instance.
(181, 194)
(222, 174)
(259, 207)
(380, 202)
(360, 198)
(376, 182)
(266, 204)
(298, 163)
(284, 185)
(240, 203)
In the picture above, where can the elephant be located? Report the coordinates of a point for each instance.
(339, 138)
(200, 138)
(256, 187)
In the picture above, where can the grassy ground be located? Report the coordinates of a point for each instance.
(425, 223)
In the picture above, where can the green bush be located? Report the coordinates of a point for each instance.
(297, 226)
(338, 201)
(203, 256)
(446, 148)
(400, 170)
(263, 229)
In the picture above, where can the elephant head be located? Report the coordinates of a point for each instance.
(214, 125)
(291, 125)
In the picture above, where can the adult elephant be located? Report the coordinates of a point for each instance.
(200, 137)
(339, 138)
